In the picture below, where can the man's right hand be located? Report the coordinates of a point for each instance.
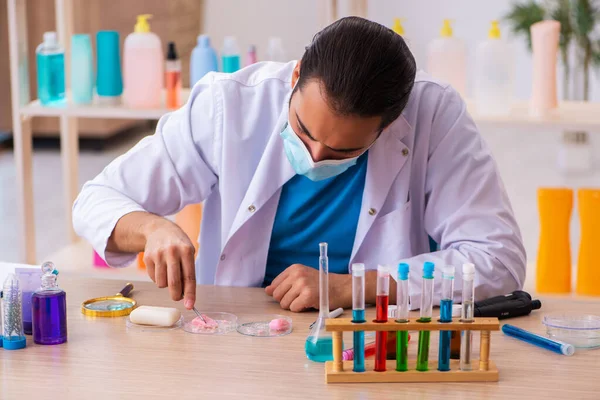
(168, 252)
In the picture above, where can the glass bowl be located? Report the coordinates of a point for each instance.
(580, 330)
(265, 325)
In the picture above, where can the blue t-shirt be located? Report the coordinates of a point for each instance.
(313, 212)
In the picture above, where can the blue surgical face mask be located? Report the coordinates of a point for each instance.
(302, 162)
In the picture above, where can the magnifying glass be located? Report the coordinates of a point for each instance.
(118, 305)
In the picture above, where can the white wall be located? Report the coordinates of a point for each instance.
(296, 21)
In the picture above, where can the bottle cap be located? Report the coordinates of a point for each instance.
(403, 270)
(448, 271)
(398, 28)
(230, 45)
(358, 269)
(383, 270)
(446, 29)
(203, 41)
(468, 269)
(172, 52)
(15, 343)
(252, 49)
(494, 32)
(142, 25)
(50, 38)
(428, 269)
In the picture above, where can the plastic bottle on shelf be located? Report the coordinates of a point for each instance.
(275, 50)
(204, 60)
(230, 55)
(143, 66)
(173, 77)
(50, 64)
(494, 75)
(82, 70)
(447, 59)
(251, 55)
(399, 29)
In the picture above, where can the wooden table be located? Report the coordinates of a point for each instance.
(104, 360)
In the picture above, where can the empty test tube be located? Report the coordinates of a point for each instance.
(358, 315)
(468, 297)
(446, 316)
(425, 316)
(382, 301)
(402, 317)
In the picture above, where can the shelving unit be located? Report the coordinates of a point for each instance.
(574, 116)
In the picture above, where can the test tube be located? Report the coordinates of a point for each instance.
(323, 281)
(468, 297)
(358, 315)
(381, 303)
(425, 316)
(13, 337)
(446, 316)
(402, 317)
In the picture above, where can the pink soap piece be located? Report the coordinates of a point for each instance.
(209, 324)
(279, 324)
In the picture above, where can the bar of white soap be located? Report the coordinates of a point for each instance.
(155, 316)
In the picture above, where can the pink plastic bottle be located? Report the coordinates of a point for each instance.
(544, 41)
(143, 71)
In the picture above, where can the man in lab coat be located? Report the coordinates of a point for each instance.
(350, 146)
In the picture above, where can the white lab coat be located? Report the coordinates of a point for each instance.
(429, 174)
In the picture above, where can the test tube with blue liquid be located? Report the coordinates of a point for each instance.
(402, 314)
(425, 316)
(358, 315)
(446, 316)
(468, 298)
(319, 344)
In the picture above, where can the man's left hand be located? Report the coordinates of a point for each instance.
(297, 289)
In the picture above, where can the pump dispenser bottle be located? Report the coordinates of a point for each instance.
(143, 66)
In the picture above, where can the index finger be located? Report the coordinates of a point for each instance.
(189, 280)
(277, 281)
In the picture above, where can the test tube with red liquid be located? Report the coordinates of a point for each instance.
(382, 301)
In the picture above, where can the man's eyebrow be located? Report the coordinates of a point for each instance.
(307, 133)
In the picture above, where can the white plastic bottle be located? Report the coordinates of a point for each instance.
(493, 88)
(447, 59)
(275, 50)
(143, 67)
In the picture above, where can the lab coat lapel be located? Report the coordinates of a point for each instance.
(386, 158)
(273, 171)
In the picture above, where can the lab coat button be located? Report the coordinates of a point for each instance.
(223, 257)
(404, 152)
(251, 208)
(372, 211)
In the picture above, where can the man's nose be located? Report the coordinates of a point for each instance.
(317, 151)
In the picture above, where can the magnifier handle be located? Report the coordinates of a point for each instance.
(126, 290)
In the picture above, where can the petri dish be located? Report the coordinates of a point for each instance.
(265, 325)
(580, 330)
(223, 323)
(151, 328)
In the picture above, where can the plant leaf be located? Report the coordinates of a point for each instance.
(561, 12)
(522, 16)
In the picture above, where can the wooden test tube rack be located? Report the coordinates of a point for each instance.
(484, 370)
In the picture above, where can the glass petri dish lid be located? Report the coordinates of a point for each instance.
(580, 330)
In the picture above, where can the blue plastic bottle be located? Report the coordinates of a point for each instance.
(204, 60)
(82, 70)
(230, 55)
(50, 60)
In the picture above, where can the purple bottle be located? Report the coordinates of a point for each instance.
(49, 309)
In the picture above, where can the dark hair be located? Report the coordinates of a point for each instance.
(365, 68)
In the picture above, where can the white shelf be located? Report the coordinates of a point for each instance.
(570, 115)
(36, 109)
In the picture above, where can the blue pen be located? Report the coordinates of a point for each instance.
(553, 345)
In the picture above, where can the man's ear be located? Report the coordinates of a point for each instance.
(296, 74)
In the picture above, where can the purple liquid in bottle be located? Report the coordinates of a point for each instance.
(49, 309)
(50, 315)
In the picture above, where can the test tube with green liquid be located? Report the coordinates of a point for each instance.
(425, 316)
(402, 317)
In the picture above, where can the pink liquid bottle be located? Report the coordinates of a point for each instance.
(143, 62)
(49, 309)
